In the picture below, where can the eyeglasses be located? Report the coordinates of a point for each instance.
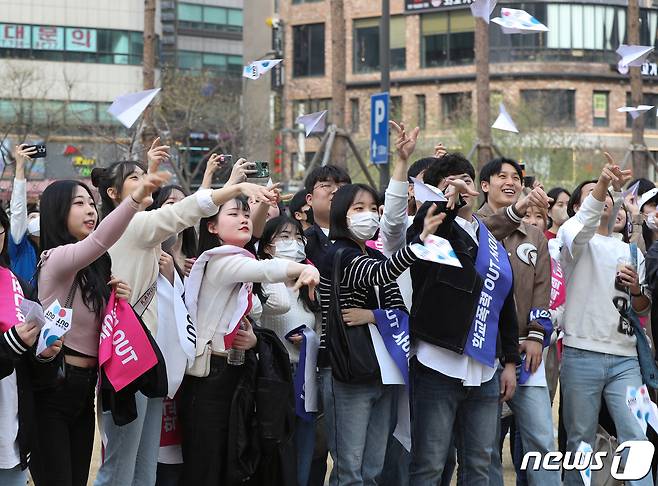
(329, 186)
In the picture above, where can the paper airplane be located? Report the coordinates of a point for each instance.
(515, 21)
(258, 68)
(634, 111)
(483, 9)
(504, 121)
(438, 250)
(426, 192)
(633, 56)
(631, 190)
(586, 453)
(127, 108)
(313, 122)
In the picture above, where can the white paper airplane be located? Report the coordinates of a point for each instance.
(426, 192)
(438, 250)
(586, 452)
(633, 56)
(483, 9)
(504, 121)
(634, 111)
(128, 108)
(257, 68)
(313, 122)
(631, 190)
(515, 21)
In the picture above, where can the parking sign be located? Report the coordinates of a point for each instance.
(379, 128)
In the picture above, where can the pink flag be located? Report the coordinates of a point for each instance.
(558, 290)
(125, 352)
(11, 296)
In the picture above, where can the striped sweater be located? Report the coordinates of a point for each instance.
(361, 274)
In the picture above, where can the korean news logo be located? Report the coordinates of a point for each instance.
(637, 461)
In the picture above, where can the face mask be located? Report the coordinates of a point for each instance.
(290, 250)
(363, 226)
(651, 222)
(560, 215)
(33, 227)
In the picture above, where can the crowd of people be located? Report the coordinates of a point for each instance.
(266, 334)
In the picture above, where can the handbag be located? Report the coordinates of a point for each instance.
(648, 368)
(351, 352)
(201, 366)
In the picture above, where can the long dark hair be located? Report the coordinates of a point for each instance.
(272, 229)
(4, 254)
(189, 246)
(208, 240)
(114, 176)
(340, 204)
(54, 232)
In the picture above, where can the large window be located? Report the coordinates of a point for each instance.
(455, 107)
(71, 44)
(366, 44)
(203, 17)
(53, 113)
(600, 108)
(308, 50)
(421, 118)
(554, 107)
(447, 38)
(210, 61)
(590, 33)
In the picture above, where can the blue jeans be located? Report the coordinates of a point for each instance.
(440, 403)
(585, 377)
(305, 445)
(362, 414)
(13, 477)
(534, 420)
(131, 454)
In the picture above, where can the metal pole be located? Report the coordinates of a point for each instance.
(385, 63)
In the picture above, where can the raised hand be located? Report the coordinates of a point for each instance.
(150, 183)
(536, 197)
(121, 288)
(432, 222)
(258, 193)
(439, 150)
(405, 143)
(455, 188)
(156, 155)
(22, 154)
(310, 277)
(241, 171)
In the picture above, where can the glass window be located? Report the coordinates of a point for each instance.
(396, 108)
(366, 44)
(190, 60)
(308, 50)
(420, 107)
(214, 15)
(190, 13)
(455, 107)
(447, 38)
(354, 114)
(235, 17)
(80, 112)
(47, 112)
(557, 106)
(215, 61)
(600, 108)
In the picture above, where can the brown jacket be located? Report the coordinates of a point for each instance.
(527, 249)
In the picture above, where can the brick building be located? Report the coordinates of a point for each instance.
(563, 82)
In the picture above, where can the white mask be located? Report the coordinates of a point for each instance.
(363, 226)
(33, 227)
(290, 250)
(651, 222)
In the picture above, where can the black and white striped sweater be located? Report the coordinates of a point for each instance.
(361, 274)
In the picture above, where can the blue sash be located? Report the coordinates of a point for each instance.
(543, 317)
(493, 266)
(393, 325)
(304, 379)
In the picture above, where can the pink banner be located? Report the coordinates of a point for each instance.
(558, 290)
(125, 352)
(170, 433)
(11, 296)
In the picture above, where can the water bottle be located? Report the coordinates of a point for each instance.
(236, 356)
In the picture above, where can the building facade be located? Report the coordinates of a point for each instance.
(562, 86)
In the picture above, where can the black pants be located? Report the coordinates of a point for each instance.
(204, 412)
(65, 430)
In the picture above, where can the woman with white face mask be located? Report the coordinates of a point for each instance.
(361, 410)
(285, 309)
